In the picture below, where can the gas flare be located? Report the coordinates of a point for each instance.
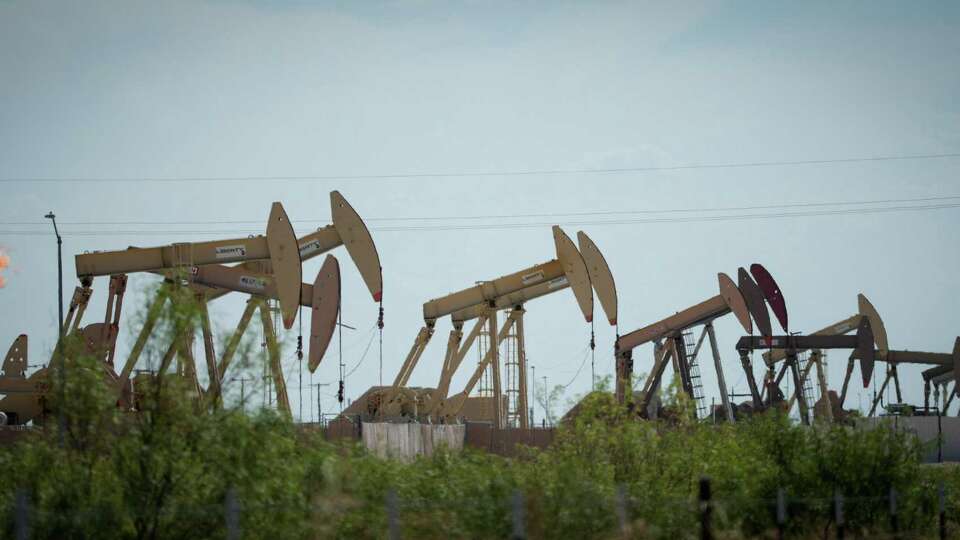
(4, 263)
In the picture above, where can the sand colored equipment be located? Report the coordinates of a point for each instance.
(257, 278)
(600, 280)
(23, 395)
(270, 269)
(279, 246)
(322, 297)
(25, 398)
(186, 261)
(481, 303)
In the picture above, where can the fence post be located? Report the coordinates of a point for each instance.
(393, 516)
(622, 516)
(706, 509)
(519, 525)
(781, 513)
(894, 520)
(22, 517)
(231, 514)
(838, 513)
(939, 435)
(943, 511)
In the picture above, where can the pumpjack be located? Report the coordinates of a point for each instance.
(939, 377)
(765, 291)
(270, 269)
(669, 344)
(882, 353)
(601, 281)
(22, 392)
(582, 271)
(26, 396)
(865, 310)
(946, 367)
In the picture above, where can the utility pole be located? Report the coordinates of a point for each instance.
(546, 399)
(52, 217)
(319, 401)
(533, 377)
(62, 367)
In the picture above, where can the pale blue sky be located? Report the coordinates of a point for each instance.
(174, 89)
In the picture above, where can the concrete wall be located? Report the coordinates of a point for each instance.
(925, 427)
(406, 441)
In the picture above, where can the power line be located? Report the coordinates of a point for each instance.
(513, 216)
(501, 226)
(470, 174)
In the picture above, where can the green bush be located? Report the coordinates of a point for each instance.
(166, 471)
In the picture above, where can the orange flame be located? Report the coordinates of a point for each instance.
(4, 263)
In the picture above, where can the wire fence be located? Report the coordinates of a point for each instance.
(514, 515)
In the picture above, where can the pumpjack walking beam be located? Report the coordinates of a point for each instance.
(279, 246)
(567, 270)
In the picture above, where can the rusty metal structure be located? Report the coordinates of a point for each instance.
(670, 345)
(946, 365)
(815, 360)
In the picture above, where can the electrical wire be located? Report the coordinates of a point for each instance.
(362, 357)
(518, 216)
(300, 360)
(593, 358)
(470, 174)
(507, 226)
(342, 390)
(577, 374)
